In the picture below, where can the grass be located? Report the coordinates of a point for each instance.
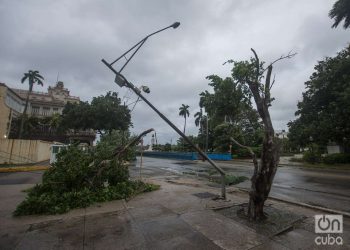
(231, 179)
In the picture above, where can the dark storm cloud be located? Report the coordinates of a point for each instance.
(71, 37)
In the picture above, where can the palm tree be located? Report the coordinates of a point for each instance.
(199, 117)
(340, 11)
(33, 77)
(185, 113)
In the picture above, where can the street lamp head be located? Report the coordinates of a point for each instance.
(145, 89)
(175, 25)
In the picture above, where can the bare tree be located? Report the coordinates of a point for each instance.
(253, 73)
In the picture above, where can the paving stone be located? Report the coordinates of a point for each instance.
(270, 245)
(297, 239)
(149, 212)
(224, 232)
(112, 231)
(10, 237)
(65, 234)
(190, 241)
(164, 228)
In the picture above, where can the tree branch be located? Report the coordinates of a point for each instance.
(257, 65)
(273, 81)
(267, 85)
(255, 161)
(119, 153)
(290, 55)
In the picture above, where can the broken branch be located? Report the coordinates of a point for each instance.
(255, 161)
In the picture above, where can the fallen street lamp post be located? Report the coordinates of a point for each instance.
(122, 81)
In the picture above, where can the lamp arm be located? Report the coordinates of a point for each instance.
(140, 43)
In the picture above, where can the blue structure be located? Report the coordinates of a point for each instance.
(186, 156)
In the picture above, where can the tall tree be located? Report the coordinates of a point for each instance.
(339, 12)
(323, 114)
(232, 115)
(185, 113)
(198, 118)
(252, 74)
(104, 114)
(32, 77)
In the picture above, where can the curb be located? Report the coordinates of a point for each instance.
(332, 211)
(23, 169)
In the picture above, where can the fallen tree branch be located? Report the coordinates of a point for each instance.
(120, 152)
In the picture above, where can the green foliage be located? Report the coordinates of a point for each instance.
(33, 77)
(109, 142)
(109, 114)
(104, 114)
(340, 11)
(244, 153)
(232, 179)
(183, 146)
(312, 157)
(33, 125)
(78, 179)
(230, 111)
(323, 114)
(185, 113)
(339, 158)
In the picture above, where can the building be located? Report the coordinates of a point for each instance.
(11, 105)
(41, 104)
(281, 134)
(46, 104)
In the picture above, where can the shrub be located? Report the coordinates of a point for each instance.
(77, 180)
(244, 153)
(312, 157)
(339, 158)
(231, 179)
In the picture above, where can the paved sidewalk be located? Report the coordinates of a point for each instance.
(170, 218)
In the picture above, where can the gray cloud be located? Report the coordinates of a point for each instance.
(71, 37)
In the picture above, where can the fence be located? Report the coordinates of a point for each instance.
(186, 156)
(23, 151)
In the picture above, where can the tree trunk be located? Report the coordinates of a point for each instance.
(262, 179)
(264, 172)
(25, 111)
(185, 125)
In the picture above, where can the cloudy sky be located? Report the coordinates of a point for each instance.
(71, 37)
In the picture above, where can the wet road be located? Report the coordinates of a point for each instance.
(32, 177)
(325, 188)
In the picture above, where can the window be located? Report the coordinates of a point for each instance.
(35, 110)
(46, 111)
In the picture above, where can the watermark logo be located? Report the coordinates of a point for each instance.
(330, 226)
(328, 223)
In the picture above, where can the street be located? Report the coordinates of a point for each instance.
(179, 215)
(324, 188)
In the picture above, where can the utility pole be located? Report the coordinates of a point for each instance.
(122, 81)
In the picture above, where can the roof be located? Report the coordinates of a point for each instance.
(11, 90)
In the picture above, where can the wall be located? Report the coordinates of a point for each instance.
(4, 112)
(24, 151)
(334, 149)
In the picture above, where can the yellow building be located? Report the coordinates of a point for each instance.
(40, 104)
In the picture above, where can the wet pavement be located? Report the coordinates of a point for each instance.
(317, 187)
(181, 215)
